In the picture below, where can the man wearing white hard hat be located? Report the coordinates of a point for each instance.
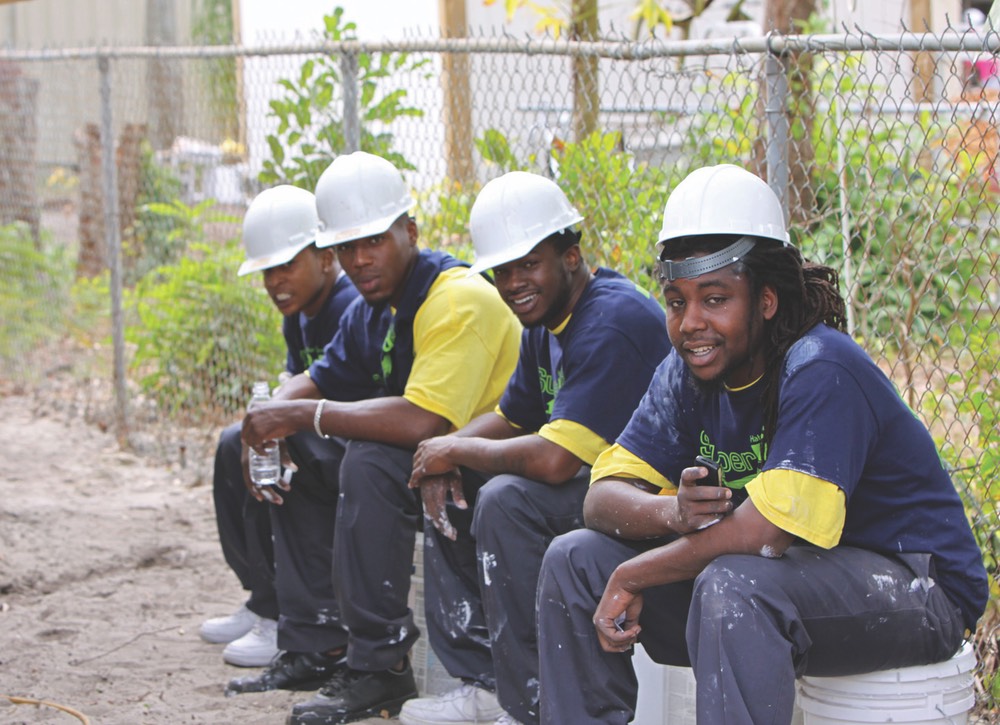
(591, 342)
(429, 348)
(310, 290)
(831, 542)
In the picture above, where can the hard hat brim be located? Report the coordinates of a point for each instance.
(517, 251)
(258, 264)
(508, 255)
(333, 237)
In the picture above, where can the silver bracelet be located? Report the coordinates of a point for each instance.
(317, 416)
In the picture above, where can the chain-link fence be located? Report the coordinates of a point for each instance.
(124, 173)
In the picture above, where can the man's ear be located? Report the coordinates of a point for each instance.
(573, 257)
(328, 260)
(768, 302)
(412, 231)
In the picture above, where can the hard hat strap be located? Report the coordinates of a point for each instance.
(697, 266)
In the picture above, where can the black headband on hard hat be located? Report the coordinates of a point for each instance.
(697, 266)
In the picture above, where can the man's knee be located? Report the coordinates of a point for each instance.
(575, 546)
(727, 586)
(229, 440)
(497, 501)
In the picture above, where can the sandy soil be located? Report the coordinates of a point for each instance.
(107, 566)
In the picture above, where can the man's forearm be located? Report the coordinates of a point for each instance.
(530, 456)
(629, 509)
(297, 387)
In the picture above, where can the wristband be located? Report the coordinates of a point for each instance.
(317, 416)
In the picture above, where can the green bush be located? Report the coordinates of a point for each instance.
(34, 296)
(156, 238)
(202, 335)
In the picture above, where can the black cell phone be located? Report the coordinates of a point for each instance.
(714, 477)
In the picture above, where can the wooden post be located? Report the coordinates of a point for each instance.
(586, 87)
(923, 61)
(457, 97)
(128, 161)
(18, 144)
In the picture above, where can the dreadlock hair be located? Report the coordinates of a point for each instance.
(807, 295)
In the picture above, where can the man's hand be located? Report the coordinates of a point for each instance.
(617, 617)
(698, 507)
(434, 492)
(431, 459)
(270, 421)
(268, 493)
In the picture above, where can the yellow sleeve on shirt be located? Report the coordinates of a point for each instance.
(465, 347)
(802, 505)
(579, 440)
(619, 462)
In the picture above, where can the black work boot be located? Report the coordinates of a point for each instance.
(357, 695)
(292, 671)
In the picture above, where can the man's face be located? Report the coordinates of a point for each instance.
(378, 265)
(717, 326)
(538, 286)
(297, 286)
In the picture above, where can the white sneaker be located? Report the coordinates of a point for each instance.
(220, 630)
(506, 719)
(465, 705)
(256, 648)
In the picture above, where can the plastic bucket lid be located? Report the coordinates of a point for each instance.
(934, 693)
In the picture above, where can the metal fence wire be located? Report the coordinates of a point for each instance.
(125, 172)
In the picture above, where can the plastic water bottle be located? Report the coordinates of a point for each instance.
(265, 468)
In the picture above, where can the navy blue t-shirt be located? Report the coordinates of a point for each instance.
(305, 337)
(595, 371)
(372, 353)
(839, 420)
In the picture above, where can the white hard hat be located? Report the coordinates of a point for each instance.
(723, 199)
(357, 196)
(280, 222)
(513, 213)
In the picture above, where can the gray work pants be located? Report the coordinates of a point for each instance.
(750, 624)
(377, 520)
(515, 519)
(244, 525)
(303, 529)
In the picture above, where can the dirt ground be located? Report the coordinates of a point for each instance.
(108, 564)
(109, 561)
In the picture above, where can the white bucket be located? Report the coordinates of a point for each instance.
(669, 695)
(938, 694)
(431, 676)
(666, 694)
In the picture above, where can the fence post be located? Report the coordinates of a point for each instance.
(113, 238)
(352, 104)
(777, 126)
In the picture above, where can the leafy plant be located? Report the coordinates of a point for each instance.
(33, 297)
(310, 131)
(621, 202)
(156, 238)
(202, 334)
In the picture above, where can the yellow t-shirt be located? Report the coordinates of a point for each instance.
(465, 348)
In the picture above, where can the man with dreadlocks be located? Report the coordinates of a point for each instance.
(837, 544)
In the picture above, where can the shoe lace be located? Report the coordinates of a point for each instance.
(264, 627)
(342, 680)
(462, 692)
